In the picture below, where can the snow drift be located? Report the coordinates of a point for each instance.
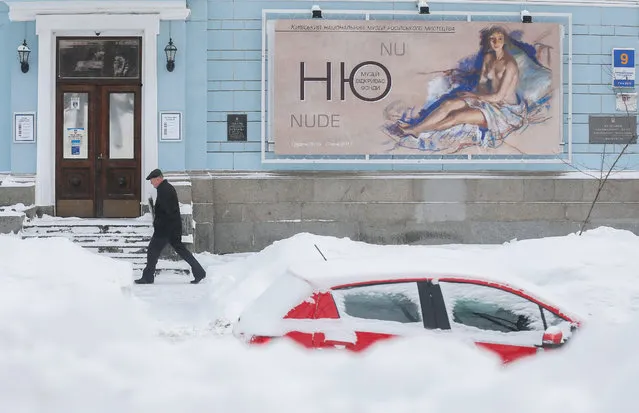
(73, 338)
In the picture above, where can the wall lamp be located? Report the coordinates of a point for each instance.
(423, 7)
(170, 50)
(526, 17)
(23, 55)
(316, 12)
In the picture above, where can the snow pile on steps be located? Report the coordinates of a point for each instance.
(122, 239)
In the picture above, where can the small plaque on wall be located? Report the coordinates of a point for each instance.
(170, 126)
(619, 129)
(236, 127)
(24, 127)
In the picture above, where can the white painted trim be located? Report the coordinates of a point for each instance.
(410, 159)
(28, 10)
(50, 26)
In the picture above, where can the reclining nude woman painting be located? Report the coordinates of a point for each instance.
(473, 108)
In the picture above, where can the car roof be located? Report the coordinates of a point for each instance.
(345, 271)
(326, 275)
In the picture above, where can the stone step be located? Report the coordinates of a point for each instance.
(140, 260)
(69, 222)
(83, 226)
(163, 266)
(127, 256)
(126, 247)
(98, 240)
(117, 249)
(88, 229)
(121, 239)
(125, 241)
(92, 236)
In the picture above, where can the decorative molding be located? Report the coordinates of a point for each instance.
(28, 10)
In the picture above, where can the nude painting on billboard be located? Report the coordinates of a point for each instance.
(505, 87)
(415, 88)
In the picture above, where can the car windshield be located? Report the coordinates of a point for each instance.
(265, 314)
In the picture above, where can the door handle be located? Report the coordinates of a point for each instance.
(100, 157)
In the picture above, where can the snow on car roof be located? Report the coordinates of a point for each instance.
(324, 275)
(328, 274)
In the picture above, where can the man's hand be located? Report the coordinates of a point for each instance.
(152, 207)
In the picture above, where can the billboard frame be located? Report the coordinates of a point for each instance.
(266, 99)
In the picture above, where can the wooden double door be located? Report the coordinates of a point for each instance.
(98, 150)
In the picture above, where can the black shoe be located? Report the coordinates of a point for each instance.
(198, 278)
(144, 281)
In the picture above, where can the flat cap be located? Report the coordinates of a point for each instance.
(154, 174)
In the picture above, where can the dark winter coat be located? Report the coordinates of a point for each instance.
(167, 221)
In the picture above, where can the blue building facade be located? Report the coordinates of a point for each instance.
(221, 69)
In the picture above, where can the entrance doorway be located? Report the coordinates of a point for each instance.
(98, 127)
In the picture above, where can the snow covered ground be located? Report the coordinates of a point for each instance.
(77, 336)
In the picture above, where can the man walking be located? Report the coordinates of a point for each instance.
(167, 229)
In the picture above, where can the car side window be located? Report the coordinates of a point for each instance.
(490, 308)
(397, 302)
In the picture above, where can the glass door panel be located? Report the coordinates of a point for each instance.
(76, 125)
(121, 125)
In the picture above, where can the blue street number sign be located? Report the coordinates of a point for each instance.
(623, 67)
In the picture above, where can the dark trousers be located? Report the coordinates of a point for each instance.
(157, 244)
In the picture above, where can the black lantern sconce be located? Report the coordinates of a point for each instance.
(170, 51)
(23, 55)
(316, 12)
(423, 7)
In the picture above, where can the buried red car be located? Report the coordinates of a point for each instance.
(353, 305)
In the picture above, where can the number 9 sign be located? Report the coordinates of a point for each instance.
(623, 57)
(623, 68)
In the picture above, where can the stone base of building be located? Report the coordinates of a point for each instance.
(240, 212)
(245, 212)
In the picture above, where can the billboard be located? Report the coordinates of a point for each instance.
(397, 87)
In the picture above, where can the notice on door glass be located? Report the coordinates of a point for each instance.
(75, 103)
(75, 143)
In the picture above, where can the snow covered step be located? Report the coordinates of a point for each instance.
(166, 264)
(140, 262)
(127, 255)
(70, 222)
(94, 241)
(164, 267)
(87, 238)
(120, 239)
(89, 229)
(117, 249)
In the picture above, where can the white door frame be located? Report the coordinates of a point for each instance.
(85, 18)
(48, 28)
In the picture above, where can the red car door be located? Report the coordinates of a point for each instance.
(496, 318)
